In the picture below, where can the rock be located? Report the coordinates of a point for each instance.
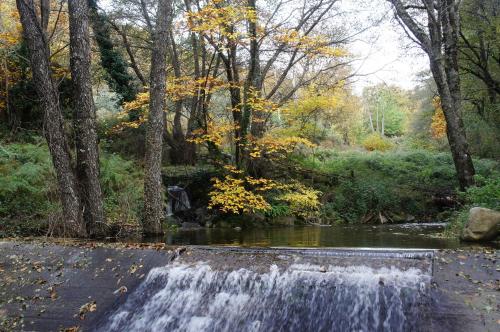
(238, 228)
(482, 225)
(284, 220)
(410, 218)
(190, 225)
(171, 220)
(255, 217)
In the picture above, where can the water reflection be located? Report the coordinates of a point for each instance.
(387, 236)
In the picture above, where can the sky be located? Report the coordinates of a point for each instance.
(385, 53)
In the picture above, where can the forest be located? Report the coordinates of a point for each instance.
(139, 117)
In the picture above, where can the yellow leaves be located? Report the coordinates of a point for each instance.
(243, 195)
(259, 104)
(277, 147)
(10, 26)
(302, 201)
(375, 142)
(314, 46)
(438, 125)
(140, 102)
(215, 133)
(215, 19)
(184, 87)
(231, 196)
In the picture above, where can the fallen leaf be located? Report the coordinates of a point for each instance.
(86, 308)
(121, 290)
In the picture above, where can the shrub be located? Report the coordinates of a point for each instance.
(486, 193)
(302, 201)
(28, 191)
(29, 199)
(395, 183)
(375, 142)
(122, 186)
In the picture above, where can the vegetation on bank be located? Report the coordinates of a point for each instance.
(30, 200)
(394, 186)
(352, 186)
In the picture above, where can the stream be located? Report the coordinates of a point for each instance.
(354, 236)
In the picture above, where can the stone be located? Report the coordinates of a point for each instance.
(284, 220)
(190, 225)
(482, 225)
(255, 217)
(238, 228)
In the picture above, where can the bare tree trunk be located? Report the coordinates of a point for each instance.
(153, 188)
(44, 14)
(254, 80)
(440, 42)
(87, 150)
(53, 120)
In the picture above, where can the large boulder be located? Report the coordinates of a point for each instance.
(482, 225)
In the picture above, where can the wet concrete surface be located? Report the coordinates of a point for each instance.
(47, 287)
(52, 287)
(465, 291)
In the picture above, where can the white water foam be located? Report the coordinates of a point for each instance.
(304, 297)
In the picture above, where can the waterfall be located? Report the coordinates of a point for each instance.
(201, 295)
(178, 200)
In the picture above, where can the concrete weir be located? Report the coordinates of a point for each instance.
(54, 287)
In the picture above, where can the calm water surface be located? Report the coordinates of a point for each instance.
(378, 236)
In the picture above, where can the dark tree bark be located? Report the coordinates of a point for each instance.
(180, 154)
(53, 120)
(153, 189)
(44, 14)
(440, 42)
(87, 151)
(254, 81)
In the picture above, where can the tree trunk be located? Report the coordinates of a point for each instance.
(53, 120)
(87, 150)
(440, 42)
(153, 188)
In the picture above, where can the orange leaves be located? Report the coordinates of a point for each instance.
(140, 105)
(10, 26)
(438, 125)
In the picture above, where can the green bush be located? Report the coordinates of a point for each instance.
(486, 193)
(122, 186)
(398, 184)
(29, 201)
(28, 191)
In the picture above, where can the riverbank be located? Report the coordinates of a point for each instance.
(53, 286)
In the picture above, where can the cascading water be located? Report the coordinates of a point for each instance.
(296, 294)
(178, 200)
